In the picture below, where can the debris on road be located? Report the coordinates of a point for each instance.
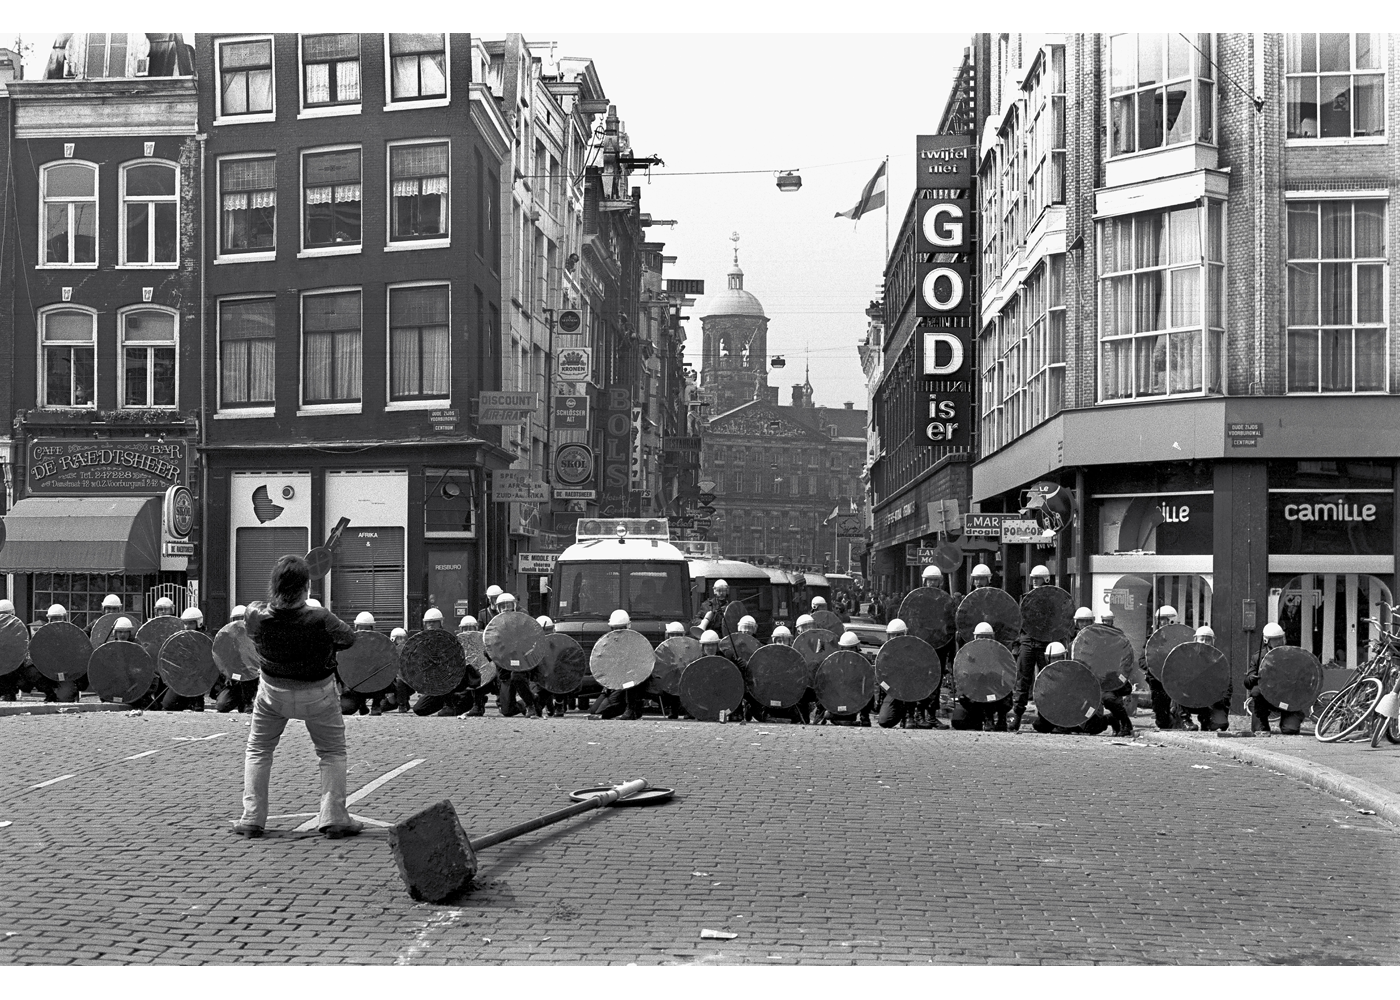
(1200, 767)
(707, 933)
(1366, 812)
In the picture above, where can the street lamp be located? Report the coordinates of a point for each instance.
(789, 181)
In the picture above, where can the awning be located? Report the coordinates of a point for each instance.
(82, 535)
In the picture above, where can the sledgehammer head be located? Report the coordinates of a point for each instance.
(435, 858)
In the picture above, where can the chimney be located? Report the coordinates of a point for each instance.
(797, 395)
(850, 405)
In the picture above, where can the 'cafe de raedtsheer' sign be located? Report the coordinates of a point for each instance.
(112, 466)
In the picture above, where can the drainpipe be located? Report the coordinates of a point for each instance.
(203, 384)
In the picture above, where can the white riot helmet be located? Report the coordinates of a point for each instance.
(432, 618)
(674, 628)
(709, 637)
(720, 585)
(239, 612)
(619, 619)
(123, 625)
(804, 622)
(364, 618)
(111, 603)
(782, 635)
(165, 606)
(1205, 634)
(932, 574)
(1106, 618)
(397, 634)
(1040, 576)
(1166, 611)
(896, 627)
(818, 602)
(848, 640)
(1273, 630)
(1056, 651)
(747, 624)
(57, 612)
(7, 607)
(469, 623)
(311, 602)
(981, 575)
(984, 630)
(192, 615)
(545, 622)
(492, 592)
(1084, 615)
(506, 602)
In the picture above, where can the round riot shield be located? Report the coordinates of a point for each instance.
(984, 670)
(777, 676)
(1196, 675)
(235, 653)
(509, 638)
(994, 606)
(908, 668)
(186, 664)
(1162, 642)
(1105, 651)
(1047, 614)
(828, 620)
(14, 644)
(815, 645)
(672, 657)
(739, 646)
(559, 662)
(481, 670)
(318, 560)
(153, 633)
(101, 629)
(931, 615)
(1290, 678)
(733, 611)
(120, 670)
(710, 686)
(1066, 692)
(432, 662)
(367, 667)
(845, 682)
(56, 653)
(622, 659)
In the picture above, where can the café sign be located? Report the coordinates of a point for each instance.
(114, 466)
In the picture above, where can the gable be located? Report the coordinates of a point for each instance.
(753, 419)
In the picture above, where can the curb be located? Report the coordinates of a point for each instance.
(1385, 803)
(60, 708)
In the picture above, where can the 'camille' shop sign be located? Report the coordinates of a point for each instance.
(1336, 522)
(116, 466)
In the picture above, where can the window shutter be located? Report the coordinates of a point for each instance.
(258, 550)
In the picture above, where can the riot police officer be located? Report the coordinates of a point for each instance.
(712, 608)
(10, 683)
(671, 707)
(849, 640)
(512, 684)
(1093, 725)
(354, 702)
(442, 705)
(1216, 718)
(892, 711)
(1030, 656)
(1166, 713)
(191, 620)
(231, 695)
(621, 704)
(1290, 722)
(969, 714)
(553, 705)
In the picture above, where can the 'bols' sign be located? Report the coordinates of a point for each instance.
(617, 440)
(118, 466)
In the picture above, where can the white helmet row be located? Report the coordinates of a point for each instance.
(674, 628)
(239, 612)
(984, 630)
(1273, 630)
(1056, 651)
(981, 572)
(122, 623)
(848, 640)
(932, 573)
(432, 615)
(619, 619)
(782, 632)
(1040, 573)
(364, 618)
(192, 615)
(747, 624)
(398, 633)
(468, 622)
(493, 592)
(818, 602)
(1084, 615)
(896, 627)
(111, 603)
(709, 635)
(57, 611)
(804, 620)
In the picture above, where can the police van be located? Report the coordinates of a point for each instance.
(626, 563)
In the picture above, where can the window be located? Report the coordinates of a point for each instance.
(493, 221)
(1162, 91)
(418, 191)
(1336, 296)
(417, 67)
(331, 348)
(105, 55)
(69, 337)
(1161, 316)
(247, 352)
(332, 184)
(330, 68)
(245, 78)
(148, 358)
(248, 193)
(1336, 85)
(449, 503)
(150, 212)
(69, 223)
(420, 343)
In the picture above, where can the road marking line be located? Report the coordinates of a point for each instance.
(53, 781)
(146, 753)
(350, 800)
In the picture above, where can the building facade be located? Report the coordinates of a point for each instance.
(1187, 248)
(352, 243)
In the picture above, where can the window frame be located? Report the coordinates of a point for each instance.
(305, 408)
(220, 116)
(408, 103)
(222, 255)
(107, 55)
(330, 250)
(1316, 75)
(1193, 80)
(122, 315)
(394, 244)
(123, 201)
(329, 109)
(415, 402)
(43, 227)
(42, 395)
(223, 410)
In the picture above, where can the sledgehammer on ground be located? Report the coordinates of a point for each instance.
(437, 860)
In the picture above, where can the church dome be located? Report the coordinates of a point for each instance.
(733, 301)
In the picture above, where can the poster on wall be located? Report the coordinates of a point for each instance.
(1164, 524)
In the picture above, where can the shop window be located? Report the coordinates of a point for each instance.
(1135, 598)
(332, 199)
(68, 338)
(1337, 317)
(449, 503)
(1325, 613)
(418, 184)
(245, 77)
(248, 201)
(82, 593)
(150, 213)
(247, 352)
(331, 350)
(367, 574)
(330, 67)
(256, 551)
(417, 67)
(148, 353)
(420, 343)
(68, 224)
(1336, 85)
(1161, 91)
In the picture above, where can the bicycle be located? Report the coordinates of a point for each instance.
(1354, 704)
(1387, 712)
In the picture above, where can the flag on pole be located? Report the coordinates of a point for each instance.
(834, 512)
(871, 198)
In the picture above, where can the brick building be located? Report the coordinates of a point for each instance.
(1187, 247)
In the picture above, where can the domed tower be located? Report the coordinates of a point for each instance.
(734, 362)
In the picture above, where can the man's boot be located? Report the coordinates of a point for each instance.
(334, 820)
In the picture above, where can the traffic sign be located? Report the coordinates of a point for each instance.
(707, 510)
(706, 498)
(706, 486)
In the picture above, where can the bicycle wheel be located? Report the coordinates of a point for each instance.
(1319, 705)
(1348, 711)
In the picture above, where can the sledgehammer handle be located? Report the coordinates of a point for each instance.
(594, 802)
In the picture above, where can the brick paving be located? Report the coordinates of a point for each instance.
(814, 845)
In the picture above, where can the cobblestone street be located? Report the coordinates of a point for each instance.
(810, 844)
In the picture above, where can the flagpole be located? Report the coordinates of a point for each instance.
(885, 263)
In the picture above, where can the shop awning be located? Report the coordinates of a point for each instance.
(82, 535)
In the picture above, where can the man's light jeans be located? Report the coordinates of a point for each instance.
(318, 704)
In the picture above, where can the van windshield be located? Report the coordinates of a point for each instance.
(642, 589)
